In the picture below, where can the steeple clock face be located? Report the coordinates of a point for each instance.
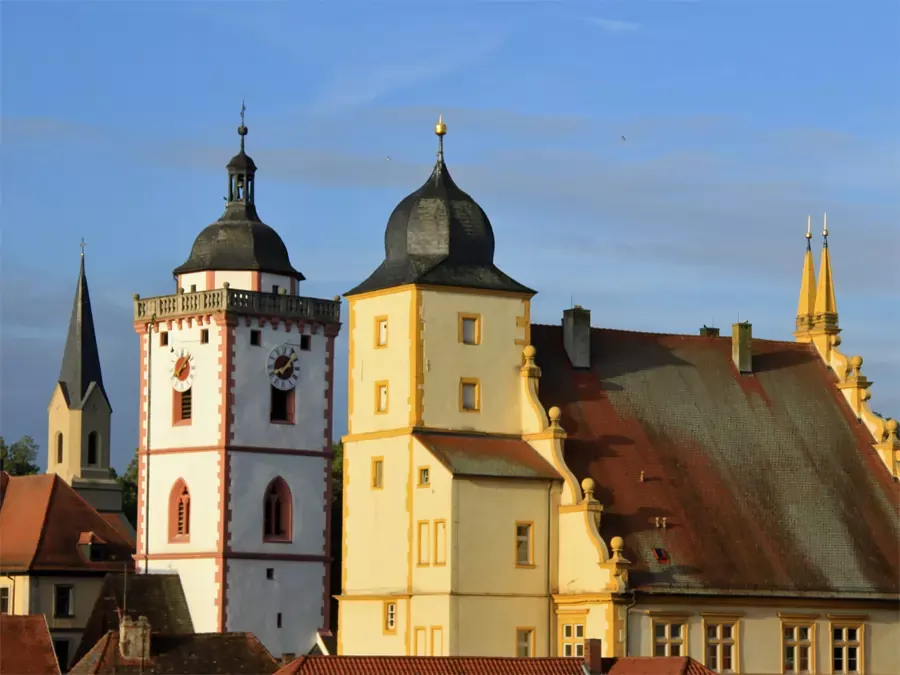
(182, 371)
(282, 367)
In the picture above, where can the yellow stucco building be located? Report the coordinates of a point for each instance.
(513, 489)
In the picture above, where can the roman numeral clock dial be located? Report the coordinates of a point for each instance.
(282, 367)
(182, 371)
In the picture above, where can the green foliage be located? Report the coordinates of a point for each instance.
(128, 483)
(19, 458)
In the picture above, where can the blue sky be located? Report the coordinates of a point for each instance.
(741, 117)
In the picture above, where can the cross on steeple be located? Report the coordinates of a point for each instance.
(82, 247)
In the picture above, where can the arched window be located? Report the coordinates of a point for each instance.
(93, 450)
(277, 509)
(180, 512)
(59, 447)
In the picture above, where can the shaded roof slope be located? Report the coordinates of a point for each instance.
(767, 481)
(159, 597)
(197, 653)
(487, 456)
(41, 521)
(25, 646)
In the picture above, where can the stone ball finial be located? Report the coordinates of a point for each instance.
(554, 414)
(856, 362)
(226, 285)
(336, 298)
(836, 340)
(529, 352)
(136, 296)
(891, 426)
(617, 544)
(866, 395)
(588, 485)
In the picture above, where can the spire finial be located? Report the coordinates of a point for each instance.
(82, 247)
(242, 130)
(440, 130)
(825, 228)
(809, 232)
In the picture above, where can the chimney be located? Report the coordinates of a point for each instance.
(134, 638)
(593, 651)
(577, 336)
(741, 350)
(709, 331)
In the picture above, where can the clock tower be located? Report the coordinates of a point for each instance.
(234, 481)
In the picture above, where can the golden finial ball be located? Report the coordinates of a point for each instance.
(856, 362)
(440, 128)
(891, 426)
(554, 413)
(588, 485)
(529, 352)
(617, 543)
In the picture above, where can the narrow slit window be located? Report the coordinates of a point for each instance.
(305, 343)
(390, 617)
(377, 473)
(381, 397)
(381, 331)
(204, 336)
(524, 544)
(164, 339)
(93, 452)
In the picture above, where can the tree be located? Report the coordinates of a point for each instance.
(19, 458)
(128, 483)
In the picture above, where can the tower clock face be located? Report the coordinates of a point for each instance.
(182, 370)
(282, 367)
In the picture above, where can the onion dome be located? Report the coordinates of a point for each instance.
(239, 240)
(439, 236)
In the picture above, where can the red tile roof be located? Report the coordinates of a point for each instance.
(482, 665)
(25, 646)
(206, 653)
(487, 456)
(42, 520)
(767, 481)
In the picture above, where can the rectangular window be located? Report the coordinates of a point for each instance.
(721, 645)
(193, 288)
(381, 332)
(524, 544)
(798, 651)
(470, 329)
(424, 540)
(4, 600)
(164, 339)
(524, 642)
(270, 573)
(669, 638)
(275, 289)
(390, 617)
(255, 338)
(440, 542)
(278, 619)
(571, 635)
(204, 336)
(61, 647)
(63, 605)
(421, 641)
(846, 648)
(182, 406)
(305, 343)
(381, 397)
(377, 472)
(469, 395)
(281, 410)
(424, 476)
(437, 641)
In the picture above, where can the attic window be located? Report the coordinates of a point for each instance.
(662, 556)
(255, 338)
(305, 343)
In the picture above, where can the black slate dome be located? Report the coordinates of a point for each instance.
(239, 240)
(439, 235)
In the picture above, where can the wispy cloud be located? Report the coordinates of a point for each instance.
(613, 25)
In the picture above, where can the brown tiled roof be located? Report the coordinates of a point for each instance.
(159, 597)
(197, 653)
(25, 646)
(41, 521)
(767, 481)
(120, 522)
(487, 456)
(482, 665)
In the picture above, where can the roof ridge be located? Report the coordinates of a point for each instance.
(44, 519)
(790, 343)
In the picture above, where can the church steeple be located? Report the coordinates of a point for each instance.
(807, 302)
(825, 315)
(81, 358)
